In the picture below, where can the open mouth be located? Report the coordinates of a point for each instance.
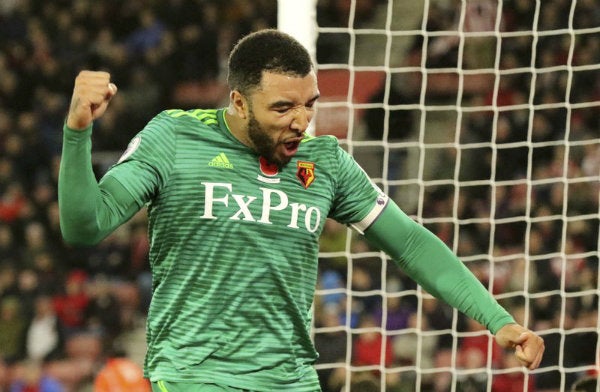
(291, 146)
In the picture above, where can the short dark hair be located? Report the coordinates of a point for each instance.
(265, 50)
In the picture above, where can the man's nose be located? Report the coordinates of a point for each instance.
(301, 119)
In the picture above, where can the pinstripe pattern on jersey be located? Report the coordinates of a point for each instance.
(234, 259)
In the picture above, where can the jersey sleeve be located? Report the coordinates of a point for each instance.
(429, 262)
(144, 168)
(358, 201)
(88, 211)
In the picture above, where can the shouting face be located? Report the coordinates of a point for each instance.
(277, 114)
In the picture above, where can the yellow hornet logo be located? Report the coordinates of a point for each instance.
(306, 173)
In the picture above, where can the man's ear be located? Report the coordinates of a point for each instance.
(239, 103)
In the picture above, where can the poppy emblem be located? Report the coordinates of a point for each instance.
(268, 169)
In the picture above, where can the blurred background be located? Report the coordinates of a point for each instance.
(64, 312)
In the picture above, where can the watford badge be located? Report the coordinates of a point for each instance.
(306, 173)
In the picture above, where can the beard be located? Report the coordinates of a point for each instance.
(263, 143)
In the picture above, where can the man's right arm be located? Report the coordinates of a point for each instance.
(88, 211)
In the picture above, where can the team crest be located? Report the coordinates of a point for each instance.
(306, 173)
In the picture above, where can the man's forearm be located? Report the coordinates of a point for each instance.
(427, 260)
(78, 189)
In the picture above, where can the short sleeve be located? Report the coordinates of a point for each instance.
(358, 201)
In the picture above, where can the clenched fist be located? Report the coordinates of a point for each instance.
(91, 95)
(528, 346)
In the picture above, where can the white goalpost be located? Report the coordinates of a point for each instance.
(481, 119)
(299, 19)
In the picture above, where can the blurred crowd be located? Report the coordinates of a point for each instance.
(64, 311)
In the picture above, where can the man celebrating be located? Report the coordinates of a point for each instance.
(237, 198)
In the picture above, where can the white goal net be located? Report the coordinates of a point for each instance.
(481, 119)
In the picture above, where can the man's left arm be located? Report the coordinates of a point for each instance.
(427, 260)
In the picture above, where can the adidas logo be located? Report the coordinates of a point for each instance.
(221, 161)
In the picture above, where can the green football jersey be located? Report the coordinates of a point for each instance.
(234, 248)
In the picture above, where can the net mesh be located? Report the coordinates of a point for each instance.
(481, 119)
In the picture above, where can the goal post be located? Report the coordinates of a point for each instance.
(480, 118)
(299, 19)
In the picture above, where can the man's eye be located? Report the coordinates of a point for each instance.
(282, 110)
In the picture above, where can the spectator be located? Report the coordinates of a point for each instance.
(369, 343)
(478, 345)
(397, 313)
(71, 305)
(12, 325)
(103, 313)
(30, 376)
(120, 374)
(512, 382)
(413, 350)
(45, 334)
(332, 346)
(9, 253)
